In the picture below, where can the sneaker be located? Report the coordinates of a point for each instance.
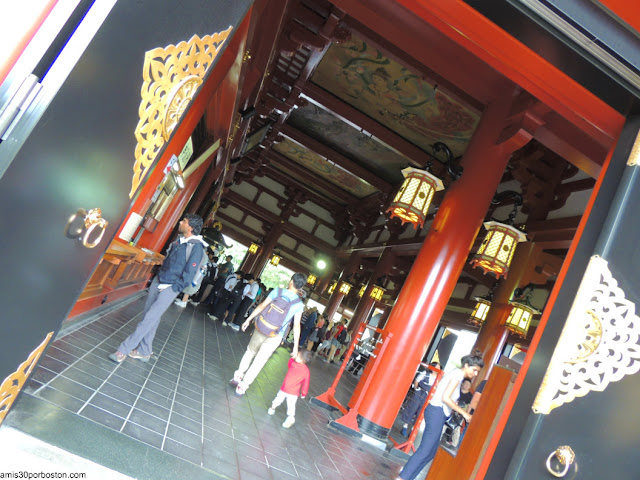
(212, 317)
(271, 411)
(235, 380)
(241, 389)
(180, 303)
(288, 423)
(224, 324)
(117, 357)
(195, 304)
(135, 354)
(235, 327)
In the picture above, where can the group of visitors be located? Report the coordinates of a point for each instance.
(281, 309)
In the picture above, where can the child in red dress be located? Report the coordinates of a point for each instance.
(296, 382)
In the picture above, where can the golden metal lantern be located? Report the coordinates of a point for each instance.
(332, 287)
(479, 314)
(496, 251)
(311, 279)
(362, 290)
(520, 318)
(411, 203)
(377, 292)
(275, 260)
(345, 288)
(253, 248)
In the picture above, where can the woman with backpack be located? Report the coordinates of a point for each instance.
(338, 338)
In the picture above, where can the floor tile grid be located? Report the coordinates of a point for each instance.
(255, 405)
(61, 342)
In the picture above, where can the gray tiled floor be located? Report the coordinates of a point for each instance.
(181, 403)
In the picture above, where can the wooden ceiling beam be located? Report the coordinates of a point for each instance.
(305, 175)
(331, 155)
(240, 236)
(364, 123)
(262, 213)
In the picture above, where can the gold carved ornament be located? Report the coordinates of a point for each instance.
(12, 385)
(172, 76)
(600, 342)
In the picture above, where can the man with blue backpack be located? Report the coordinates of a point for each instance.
(272, 318)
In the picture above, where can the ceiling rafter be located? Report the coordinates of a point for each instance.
(331, 155)
(355, 118)
(262, 213)
(278, 159)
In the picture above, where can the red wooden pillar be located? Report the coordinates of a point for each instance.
(336, 297)
(493, 335)
(366, 303)
(437, 267)
(267, 249)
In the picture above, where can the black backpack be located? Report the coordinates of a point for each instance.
(236, 293)
(272, 317)
(342, 336)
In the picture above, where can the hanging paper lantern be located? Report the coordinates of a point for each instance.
(377, 293)
(311, 279)
(332, 287)
(362, 290)
(479, 314)
(253, 248)
(411, 203)
(275, 260)
(496, 251)
(520, 318)
(345, 288)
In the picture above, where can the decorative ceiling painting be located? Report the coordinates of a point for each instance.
(364, 149)
(394, 96)
(327, 170)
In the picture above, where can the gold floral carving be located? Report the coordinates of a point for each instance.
(600, 342)
(635, 152)
(171, 78)
(13, 383)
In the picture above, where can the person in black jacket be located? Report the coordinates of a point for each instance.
(175, 273)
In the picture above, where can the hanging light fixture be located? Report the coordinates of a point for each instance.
(496, 251)
(411, 203)
(345, 287)
(253, 248)
(522, 312)
(332, 287)
(311, 279)
(480, 311)
(377, 292)
(275, 259)
(362, 290)
(479, 314)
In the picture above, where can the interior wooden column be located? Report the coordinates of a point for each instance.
(493, 335)
(336, 297)
(438, 265)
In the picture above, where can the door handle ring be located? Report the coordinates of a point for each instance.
(77, 232)
(564, 456)
(91, 220)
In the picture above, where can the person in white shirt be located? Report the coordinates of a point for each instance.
(443, 402)
(247, 299)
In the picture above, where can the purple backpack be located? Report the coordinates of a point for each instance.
(270, 320)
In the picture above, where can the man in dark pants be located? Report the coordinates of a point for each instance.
(175, 273)
(248, 297)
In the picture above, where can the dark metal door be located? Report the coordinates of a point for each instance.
(583, 386)
(74, 148)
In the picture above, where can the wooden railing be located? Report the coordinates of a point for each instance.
(122, 270)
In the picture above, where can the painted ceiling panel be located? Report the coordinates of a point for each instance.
(320, 166)
(415, 109)
(364, 149)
